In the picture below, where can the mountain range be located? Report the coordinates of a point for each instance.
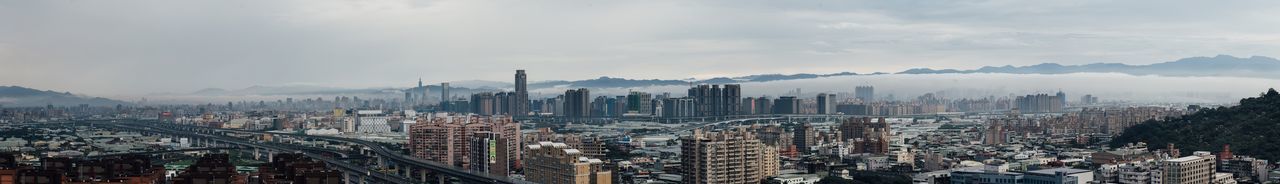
(1217, 66)
(1221, 65)
(17, 96)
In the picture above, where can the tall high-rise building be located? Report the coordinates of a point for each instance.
(577, 103)
(866, 136)
(733, 156)
(1062, 98)
(702, 98)
(1088, 100)
(639, 103)
(1039, 103)
(731, 100)
(600, 106)
(711, 100)
(504, 103)
(522, 95)
(604, 106)
(864, 93)
(557, 163)
(448, 139)
(489, 153)
(1195, 169)
(786, 105)
(826, 103)
(483, 104)
(804, 136)
(423, 98)
(678, 107)
(444, 96)
(764, 105)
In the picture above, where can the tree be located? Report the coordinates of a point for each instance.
(1250, 128)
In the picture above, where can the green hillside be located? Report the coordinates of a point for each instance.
(1251, 128)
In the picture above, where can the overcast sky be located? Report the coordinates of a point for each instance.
(146, 46)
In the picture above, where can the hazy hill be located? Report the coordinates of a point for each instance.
(17, 96)
(1221, 65)
(1251, 128)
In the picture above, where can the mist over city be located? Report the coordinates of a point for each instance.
(639, 92)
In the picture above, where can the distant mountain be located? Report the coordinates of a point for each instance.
(610, 82)
(607, 82)
(17, 96)
(480, 84)
(1251, 128)
(460, 88)
(1221, 65)
(284, 90)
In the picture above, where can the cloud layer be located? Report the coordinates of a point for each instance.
(143, 46)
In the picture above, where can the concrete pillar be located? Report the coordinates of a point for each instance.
(422, 176)
(380, 163)
(407, 171)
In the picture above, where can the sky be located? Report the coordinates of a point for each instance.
(131, 47)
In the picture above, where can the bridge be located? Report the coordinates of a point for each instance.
(164, 151)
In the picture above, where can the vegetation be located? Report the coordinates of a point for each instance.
(1251, 128)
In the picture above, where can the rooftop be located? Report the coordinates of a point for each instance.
(1184, 159)
(1054, 171)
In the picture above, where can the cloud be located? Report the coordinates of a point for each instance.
(143, 46)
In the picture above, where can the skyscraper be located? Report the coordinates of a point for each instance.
(577, 103)
(786, 105)
(444, 96)
(678, 107)
(1062, 98)
(764, 105)
(711, 100)
(483, 104)
(423, 98)
(733, 156)
(489, 153)
(639, 103)
(826, 103)
(731, 100)
(1040, 103)
(865, 93)
(522, 95)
